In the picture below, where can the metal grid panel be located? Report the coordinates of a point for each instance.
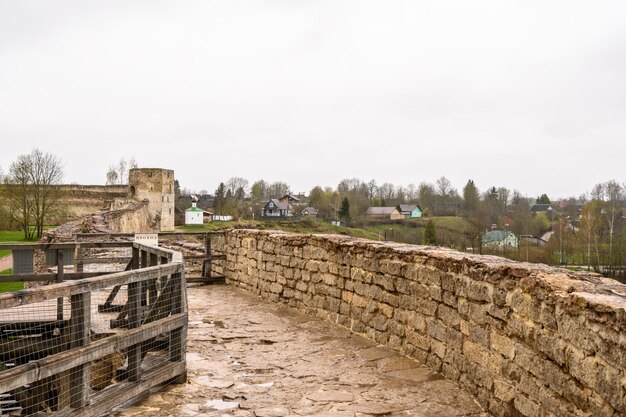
(23, 261)
(52, 256)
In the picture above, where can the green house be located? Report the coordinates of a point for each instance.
(409, 211)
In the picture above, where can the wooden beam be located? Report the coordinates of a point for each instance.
(66, 245)
(110, 260)
(68, 276)
(155, 250)
(67, 288)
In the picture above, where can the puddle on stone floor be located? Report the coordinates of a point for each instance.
(222, 405)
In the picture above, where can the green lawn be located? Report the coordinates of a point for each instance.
(10, 286)
(10, 236)
(296, 226)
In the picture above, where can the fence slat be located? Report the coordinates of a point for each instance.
(80, 327)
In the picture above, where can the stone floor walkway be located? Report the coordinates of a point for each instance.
(252, 358)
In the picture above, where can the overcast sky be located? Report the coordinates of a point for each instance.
(529, 95)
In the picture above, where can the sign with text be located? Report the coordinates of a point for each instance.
(147, 238)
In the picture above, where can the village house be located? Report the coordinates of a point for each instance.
(277, 208)
(309, 211)
(410, 211)
(500, 239)
(194, 215)
(287, 198)
(541, 208)
(383, 213)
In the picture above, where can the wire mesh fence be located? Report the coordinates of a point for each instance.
(84, 345)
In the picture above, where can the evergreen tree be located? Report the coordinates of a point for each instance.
(430, 234)
(470, 197)
(344, 210)
(220, 199)
(543, 199)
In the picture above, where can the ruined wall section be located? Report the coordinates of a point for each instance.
(524, 339)
(81, 200)
(156, 186)
(134, 218)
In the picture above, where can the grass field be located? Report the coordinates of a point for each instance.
(449, 229)
(296, 226)
(10, 286)
(10, 236)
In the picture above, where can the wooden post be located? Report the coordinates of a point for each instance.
(60, 271)
(80, 328)
(144, 284)
(163, 280)
(152, 288)
(135, 260)
(78, 258)
(176, 336)
(134, 320)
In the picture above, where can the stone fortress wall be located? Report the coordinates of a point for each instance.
(81, 200)
(146, 204)
(525, 340)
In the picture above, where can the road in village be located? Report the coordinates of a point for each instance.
(248, 357)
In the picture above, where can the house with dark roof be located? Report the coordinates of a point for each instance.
(288, 198)
(541, 208)
(500, 239)
(277, 208)
(409, 211)
(309, 211)
(383, 213)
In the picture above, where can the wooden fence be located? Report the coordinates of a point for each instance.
(68, 349)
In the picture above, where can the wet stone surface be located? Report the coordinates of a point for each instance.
(251, 358)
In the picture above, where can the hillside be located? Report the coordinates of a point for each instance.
(449, 230)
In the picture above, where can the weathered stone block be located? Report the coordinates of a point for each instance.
(526, 407)
(504, 390)
(428, 276)
(448, 316)
(502, 344)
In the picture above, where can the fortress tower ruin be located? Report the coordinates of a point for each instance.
(156, 186)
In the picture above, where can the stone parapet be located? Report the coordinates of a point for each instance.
(524, 339)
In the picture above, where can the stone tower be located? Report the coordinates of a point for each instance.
(156, 186)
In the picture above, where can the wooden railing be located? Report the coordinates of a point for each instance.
(89, 363)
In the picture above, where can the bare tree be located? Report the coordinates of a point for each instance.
(614, 196)
(278, 189)
(444, 187)
(118, 174)
(33, 195)
(18, 194)
(112, 175)
(235, 183)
